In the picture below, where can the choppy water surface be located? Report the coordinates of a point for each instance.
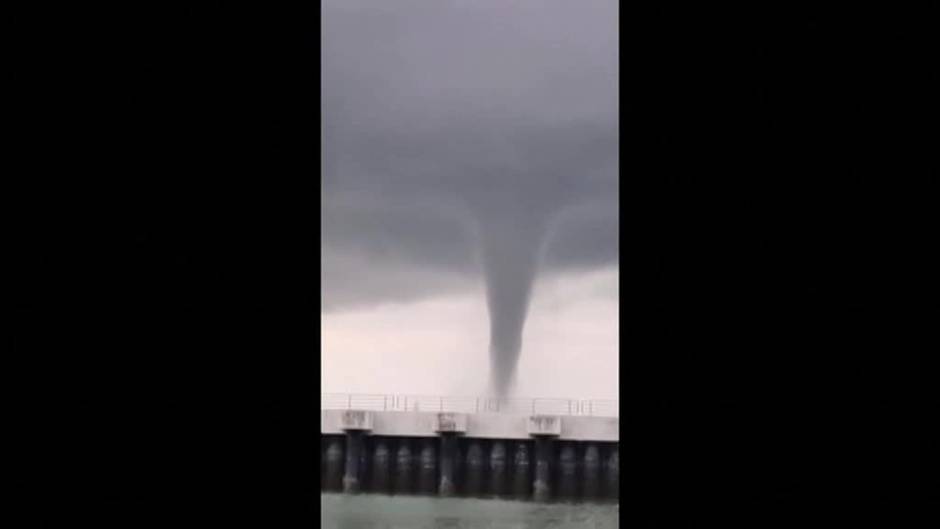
(368, 511)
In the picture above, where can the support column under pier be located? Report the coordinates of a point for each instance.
(544, 428)
(498, 465)
(541, 488)
(354, 455)
(521, 470)
(356, 424)
(427, 467)
(592, 471)
(448, 426)
(381, 463)
(404, 468)
(612, 473)
(567, 471)
(447, 486)
(334, 463)
(473, 480)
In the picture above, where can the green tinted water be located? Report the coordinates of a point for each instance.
(370, 511)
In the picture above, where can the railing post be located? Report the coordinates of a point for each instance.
(384, 402)
(441, 399)
(349, 402)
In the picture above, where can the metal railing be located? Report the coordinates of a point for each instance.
(519, 406)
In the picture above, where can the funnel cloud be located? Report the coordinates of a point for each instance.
(509, 253)
(467, 141)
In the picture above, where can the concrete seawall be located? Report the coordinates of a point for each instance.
(481, 455)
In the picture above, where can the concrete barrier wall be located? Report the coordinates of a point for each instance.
(590, 428)
(482, 425)
(540, 469)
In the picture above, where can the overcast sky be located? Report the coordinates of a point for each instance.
(470, 156)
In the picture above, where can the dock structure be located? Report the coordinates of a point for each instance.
(471, 447)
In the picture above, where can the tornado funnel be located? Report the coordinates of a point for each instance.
(510, 254)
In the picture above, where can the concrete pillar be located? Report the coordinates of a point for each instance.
(474, 470)
(356, 424)
(364, 461)
(334, 463)
(427, 467)
(498, 468)
(543, 428)
(447, 486)
(541, 486)
(592, 471)
(567, 471)
(404, 470)
(354, 456)
(612, 472)
(460, 466)
(521, 470)
(381, 463)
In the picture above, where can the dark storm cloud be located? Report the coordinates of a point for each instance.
(468, 135)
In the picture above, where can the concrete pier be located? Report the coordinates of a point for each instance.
(474, 469)
(592, 471)
(365, 462)
(567, 471)
(334, 463)
(481, 455)
(522, 470)
(381, 466)
(541, 485)
(612, 473)
(354, 456)
(498, 466)
(427, 467)
(448, 484)
(404, 468)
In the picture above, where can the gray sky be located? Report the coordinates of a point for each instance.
(470, 153)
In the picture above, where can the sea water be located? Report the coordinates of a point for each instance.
(374, 511)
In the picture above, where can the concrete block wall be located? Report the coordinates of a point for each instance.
(537, 457)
